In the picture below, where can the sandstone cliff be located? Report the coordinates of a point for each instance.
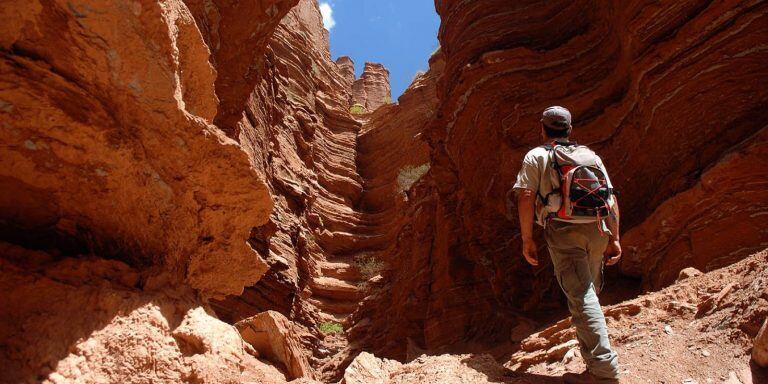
(372, 90)
(297, 123)
(172, 168)
(109, 143)
(669, 95)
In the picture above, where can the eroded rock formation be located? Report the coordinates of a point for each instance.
(665, 93)
(109, 145)
(110, 151)
(96, 320)
(718, 220)
(372, 90)
(276, 338)
(299, 126)
(347, 68)
(169, 167)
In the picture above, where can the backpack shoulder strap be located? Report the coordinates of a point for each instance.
(553, 164)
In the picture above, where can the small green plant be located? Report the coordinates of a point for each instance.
(409, 175)
(330, 327)
(368, 265)
(356, 109)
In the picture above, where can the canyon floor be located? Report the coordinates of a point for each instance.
(694, 331)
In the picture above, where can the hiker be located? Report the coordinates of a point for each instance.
(566, 189)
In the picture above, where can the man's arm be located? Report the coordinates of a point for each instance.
(613, 250)
(526, 200)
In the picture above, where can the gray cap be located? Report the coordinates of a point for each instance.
(556, 118)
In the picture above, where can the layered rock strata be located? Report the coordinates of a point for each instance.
(662, 92)
(334, 181)
(108, 141)
(157, 155)
(718, 220)
(372, 89)
(391, 147)
(297, 123)
(112, 151)
(347, 68)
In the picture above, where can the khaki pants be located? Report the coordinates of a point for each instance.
(577, 255)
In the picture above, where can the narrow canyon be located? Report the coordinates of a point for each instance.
(196, 191)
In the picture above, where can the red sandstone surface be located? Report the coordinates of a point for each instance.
(668, 94)
(189, 192)
(372, 89)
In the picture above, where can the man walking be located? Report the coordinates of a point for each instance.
(566, 189)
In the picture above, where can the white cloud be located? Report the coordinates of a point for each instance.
(327, 12)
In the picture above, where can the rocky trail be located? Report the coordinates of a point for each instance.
(695, 331)
(196, 191)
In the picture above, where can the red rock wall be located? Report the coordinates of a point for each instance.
(719, 220)
(347, 68)
(236, 33)
(298, 126)
(372, 89)
(108, 142)
(661, 91)
(207, 149)
(127, 135)
(393, 140)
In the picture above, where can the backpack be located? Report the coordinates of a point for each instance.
(582, 192)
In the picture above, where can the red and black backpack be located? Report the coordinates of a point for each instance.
(582, 187)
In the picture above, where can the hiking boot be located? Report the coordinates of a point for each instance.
(587, 378)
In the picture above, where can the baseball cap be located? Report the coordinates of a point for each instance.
(556, 117)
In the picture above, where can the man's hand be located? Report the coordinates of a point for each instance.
(530, 252)
(612, 252)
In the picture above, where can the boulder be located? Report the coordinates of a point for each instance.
(368, 369)
(688, 273)
(277, 339)
(81, 321)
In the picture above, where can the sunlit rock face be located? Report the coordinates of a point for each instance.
(347, 68)
(170, 167)
(89, 319)
(669, 95)
(372, 89)
(109, 143)
(110, 151)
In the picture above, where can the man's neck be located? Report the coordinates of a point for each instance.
(558, 139)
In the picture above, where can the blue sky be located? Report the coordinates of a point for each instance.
(401, 34)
